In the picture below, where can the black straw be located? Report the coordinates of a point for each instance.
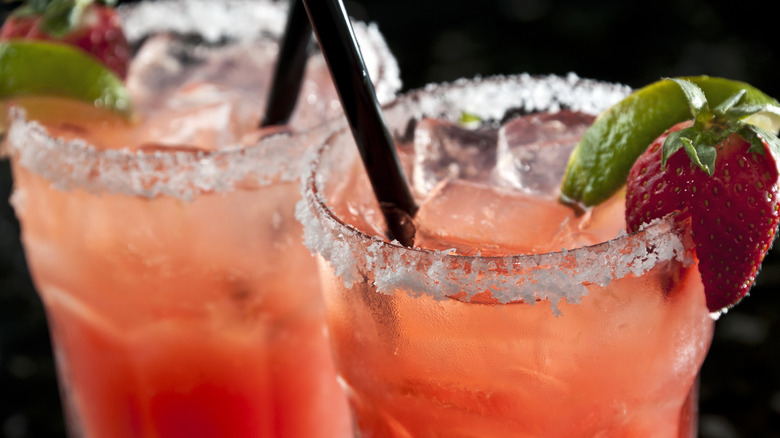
(358, 98)
(290, 66)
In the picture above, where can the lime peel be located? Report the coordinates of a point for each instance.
(600, 163)
(52, 69)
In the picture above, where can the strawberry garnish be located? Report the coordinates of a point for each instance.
(719, 175)
(92, 25)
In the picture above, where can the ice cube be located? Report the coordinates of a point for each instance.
(158, 68)
(472, 217)
(168, 62)
(203, 115)
(447, 150)
(533, 150)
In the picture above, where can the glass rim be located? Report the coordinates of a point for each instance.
(212, 20)
(75, 163)
(327, 234)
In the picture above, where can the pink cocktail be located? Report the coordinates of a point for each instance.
(180, 298)
(513, 316)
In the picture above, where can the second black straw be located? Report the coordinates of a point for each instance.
(290, 67)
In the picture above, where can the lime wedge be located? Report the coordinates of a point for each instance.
(600, 163)
(50, 69)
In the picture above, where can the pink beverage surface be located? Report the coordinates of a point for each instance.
(174, 317)
(623, 362)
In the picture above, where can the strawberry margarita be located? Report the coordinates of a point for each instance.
(512, 316)
(180, 298)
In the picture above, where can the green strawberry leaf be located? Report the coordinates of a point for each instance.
(700, 152)
(58, 19)
(729, 103)
(673, 143)
(704, 156)
(755, 135)
(693, 94)
(744, 111)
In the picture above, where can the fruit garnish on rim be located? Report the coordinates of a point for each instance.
(65, 48)
(721, 174)
(91, 25)
(717, 172)
(599, 165)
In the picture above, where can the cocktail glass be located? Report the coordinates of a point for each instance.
(504, 325)
(180, 298)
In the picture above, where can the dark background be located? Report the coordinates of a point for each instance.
(436, 40)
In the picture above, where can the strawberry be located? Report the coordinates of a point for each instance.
(92, 25)
(720, 176)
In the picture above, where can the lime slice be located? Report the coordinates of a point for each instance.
(600, 163)
(50, 69)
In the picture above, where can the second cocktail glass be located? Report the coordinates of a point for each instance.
(500, 323)
(180, 299)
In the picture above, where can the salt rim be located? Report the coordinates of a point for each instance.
(69, 164)
(355, 256)
(246, 20)
(499, 96)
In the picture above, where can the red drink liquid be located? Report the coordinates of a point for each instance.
(174, 317)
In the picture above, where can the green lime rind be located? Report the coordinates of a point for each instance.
(599, 165)
(40, 68)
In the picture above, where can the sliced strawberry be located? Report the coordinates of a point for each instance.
(91, 25)
(720, 175)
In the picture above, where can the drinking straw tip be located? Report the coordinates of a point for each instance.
(400, 223)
